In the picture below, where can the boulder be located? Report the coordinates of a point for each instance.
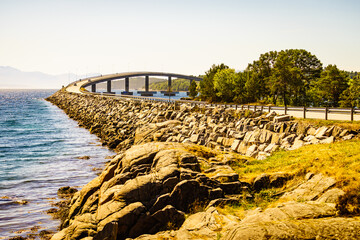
(297, 144)
(260, 182)
(186, 193)
(146, 132)
(235, 144)
(282, 118)
(321, 132)
(252, 151)
(328, 140)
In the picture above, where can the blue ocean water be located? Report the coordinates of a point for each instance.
(39, 150)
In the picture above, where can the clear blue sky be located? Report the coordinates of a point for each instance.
(183, 36)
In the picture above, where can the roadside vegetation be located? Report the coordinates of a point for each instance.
(289, 77)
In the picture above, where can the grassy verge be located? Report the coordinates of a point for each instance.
(355, 125)
(340, 160)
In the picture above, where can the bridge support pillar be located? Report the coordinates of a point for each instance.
(127, 87)
(168, 91)
(146, 83)
(146, 93)
(169, 84)
(93, 88)
(108, 87)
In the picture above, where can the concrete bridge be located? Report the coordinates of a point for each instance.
(92, 81)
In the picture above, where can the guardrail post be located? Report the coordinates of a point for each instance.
(248, 107)
(269, 108)
(352, 114)
(242, 107)
(262, 109)
(304, 113)
(326, 113)
(254, 108)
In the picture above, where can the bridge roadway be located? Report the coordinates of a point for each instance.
(299, 112)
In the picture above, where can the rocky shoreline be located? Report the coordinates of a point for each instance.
(174, 167)
(121, 124)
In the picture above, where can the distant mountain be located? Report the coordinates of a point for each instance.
(14, 78)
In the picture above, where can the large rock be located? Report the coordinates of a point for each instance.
(328, 228)
(311, 189)
(146, 133)
(146, 189)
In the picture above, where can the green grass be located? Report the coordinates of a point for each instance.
(340, 160)
(262, 199)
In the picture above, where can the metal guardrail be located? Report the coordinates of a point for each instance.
(302, 112)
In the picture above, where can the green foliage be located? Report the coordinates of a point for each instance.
(260, 73)
(331, 85)
(207, 90)
(351, 96)
(285, 78)
(289, 77)
(224, 84)
(193, 89)
(176, 85)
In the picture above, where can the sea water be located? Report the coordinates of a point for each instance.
(39, 151)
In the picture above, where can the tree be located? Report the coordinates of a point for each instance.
(193, 89)
(224, 83)
(351, 96)
(261, 74)
(285, 77)
(331, 85)
(207, 90)
(240, 93)
(310, 69)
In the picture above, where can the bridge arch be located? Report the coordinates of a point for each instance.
(92, 81)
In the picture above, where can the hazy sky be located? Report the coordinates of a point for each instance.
(181, 36)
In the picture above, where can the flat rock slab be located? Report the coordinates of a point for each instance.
(291, 210)
(311, 189)
(327, 228)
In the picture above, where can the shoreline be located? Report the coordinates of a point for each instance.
(138, 130)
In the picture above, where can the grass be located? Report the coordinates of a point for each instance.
(355, 125)
(340, 160)
(262, 199)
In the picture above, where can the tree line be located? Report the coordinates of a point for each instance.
(289, 77)
(176, 85)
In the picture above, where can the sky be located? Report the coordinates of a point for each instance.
(179, 36)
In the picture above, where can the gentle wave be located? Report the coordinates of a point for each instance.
(39, 150)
